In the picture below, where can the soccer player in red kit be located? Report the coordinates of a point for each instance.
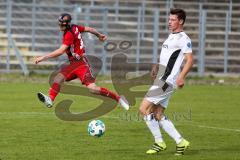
(79, 67)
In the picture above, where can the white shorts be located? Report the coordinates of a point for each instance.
(157, 96)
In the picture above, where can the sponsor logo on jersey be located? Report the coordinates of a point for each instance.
(164, 46)
(189, 45)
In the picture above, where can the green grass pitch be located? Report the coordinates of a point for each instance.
(207, 116)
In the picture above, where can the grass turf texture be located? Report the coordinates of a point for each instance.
(207, 116)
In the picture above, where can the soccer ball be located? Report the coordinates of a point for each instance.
(96, 128)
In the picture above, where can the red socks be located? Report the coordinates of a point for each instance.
(105, 92)
(54, 90)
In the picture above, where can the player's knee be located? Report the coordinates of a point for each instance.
(145, 108)
(59, 78)
(142, 110)
(159, 113)
(158, 116)
(93, 89)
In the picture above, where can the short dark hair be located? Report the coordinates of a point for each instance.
(181, 14)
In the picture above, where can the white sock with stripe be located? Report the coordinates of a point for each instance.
(153, 126)
(169, 128)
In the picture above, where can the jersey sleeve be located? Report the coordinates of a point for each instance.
(68, 39)
(81, 28)
(186, 45)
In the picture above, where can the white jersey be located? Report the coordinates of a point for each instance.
(172, 55)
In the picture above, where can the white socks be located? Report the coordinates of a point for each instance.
(169, 128)
(153, 126)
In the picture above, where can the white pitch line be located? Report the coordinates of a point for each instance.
(44, 113)
(195, 125)
(212, 127)
(115, 117)
(26, 113)
(110, 117)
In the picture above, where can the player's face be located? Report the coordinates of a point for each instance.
(174, 24)
(62, 27)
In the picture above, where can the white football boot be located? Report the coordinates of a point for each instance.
(45, 99)
(124, 103)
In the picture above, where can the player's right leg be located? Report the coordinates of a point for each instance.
(53, 91)
(93, 88)
(85, 75)
(146, 109)
(167, 125)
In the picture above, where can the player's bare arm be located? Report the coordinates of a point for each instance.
(100, 36)
(154, 71)
(186, 68)
(53, 54)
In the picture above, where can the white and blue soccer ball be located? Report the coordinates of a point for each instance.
(96, 128)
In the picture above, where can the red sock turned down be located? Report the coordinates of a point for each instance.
(105, 92)
(54, 90)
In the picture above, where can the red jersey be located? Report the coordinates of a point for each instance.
(73, 39)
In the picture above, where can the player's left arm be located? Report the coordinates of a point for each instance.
(62, 49)
(186, 68)
(100, 36)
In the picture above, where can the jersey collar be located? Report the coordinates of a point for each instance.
(177, 32)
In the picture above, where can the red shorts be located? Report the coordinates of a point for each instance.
(78, 69)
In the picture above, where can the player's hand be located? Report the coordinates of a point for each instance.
(102, 37)
(38, 59)
(180, 82)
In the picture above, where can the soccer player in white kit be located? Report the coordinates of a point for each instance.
(175, 50)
